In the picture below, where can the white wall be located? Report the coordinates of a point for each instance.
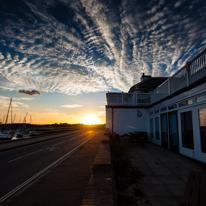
(195, 153)
(125, 120)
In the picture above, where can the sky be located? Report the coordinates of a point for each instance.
(59, 58)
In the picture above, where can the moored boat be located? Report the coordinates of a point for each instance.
(5, 136)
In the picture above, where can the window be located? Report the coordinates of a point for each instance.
(164, 132)
(151, 113)
(202, 121)
(156, 111)
(187, 130)
(186, 102)
(151, 127)
(157, 128)
(201, 98)
(173, 131)
(164, 109)
(172, 106)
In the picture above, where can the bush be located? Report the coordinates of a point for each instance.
(125, 173)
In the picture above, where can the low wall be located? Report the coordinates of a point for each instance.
(100, 190)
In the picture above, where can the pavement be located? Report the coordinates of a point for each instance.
(71, 183)
(165, 173)
(64, 184)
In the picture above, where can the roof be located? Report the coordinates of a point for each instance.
(149, 84)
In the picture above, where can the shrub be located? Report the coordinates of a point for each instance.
(125, 173)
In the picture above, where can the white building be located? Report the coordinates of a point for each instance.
(173, 114)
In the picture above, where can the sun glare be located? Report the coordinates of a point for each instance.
(90, 119)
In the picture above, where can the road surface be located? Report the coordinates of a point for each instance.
(20, 164)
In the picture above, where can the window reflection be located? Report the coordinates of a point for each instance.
(151, 127)
(157, 132)
(202, 121)
(187, 130)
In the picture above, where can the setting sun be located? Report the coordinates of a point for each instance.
(90, 119)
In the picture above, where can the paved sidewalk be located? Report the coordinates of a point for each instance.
(165, 173)
(66, 183)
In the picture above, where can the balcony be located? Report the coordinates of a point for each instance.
(127, 99)
(192, 72)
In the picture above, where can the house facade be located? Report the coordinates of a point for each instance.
(172, 111)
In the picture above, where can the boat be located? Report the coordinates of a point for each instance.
(20, 134)
(33, 133)
(5, 135)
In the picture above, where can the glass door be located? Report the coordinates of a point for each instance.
(157, 128)
(187, 130)
(164, 130)
(173, 131)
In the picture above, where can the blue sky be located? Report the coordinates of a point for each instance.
(72, 52)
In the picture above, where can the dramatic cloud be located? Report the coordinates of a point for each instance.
(30, 93)
(83, 46)
(71, 106)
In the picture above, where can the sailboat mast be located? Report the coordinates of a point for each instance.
(14, 118)
(11, 113)
(8, 112)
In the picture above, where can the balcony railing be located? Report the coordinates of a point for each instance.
(127, 99)
(193, 71)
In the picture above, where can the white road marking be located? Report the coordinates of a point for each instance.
(31, 145)
(58, 143)
(25, 155)
(15, 190)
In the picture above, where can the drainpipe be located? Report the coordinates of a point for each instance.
(188, 73)
(112, 120)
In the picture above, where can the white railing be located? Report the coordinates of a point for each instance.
(178, 80)
(127, 99)
(142, 98)
(161, 92)
(193, 71)
(197, 67)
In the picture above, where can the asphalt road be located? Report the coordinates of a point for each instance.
(18, 165)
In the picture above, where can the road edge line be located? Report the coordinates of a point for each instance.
(24, 184)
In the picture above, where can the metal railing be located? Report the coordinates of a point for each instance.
(193, 71)
(197, 67)
(127, 99)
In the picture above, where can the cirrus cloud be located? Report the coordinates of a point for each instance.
(82, 46)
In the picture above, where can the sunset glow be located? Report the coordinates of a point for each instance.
(90, 119)
(58, 59)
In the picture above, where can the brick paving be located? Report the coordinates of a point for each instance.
(165, 173)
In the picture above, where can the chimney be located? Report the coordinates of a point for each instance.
(144, 77)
